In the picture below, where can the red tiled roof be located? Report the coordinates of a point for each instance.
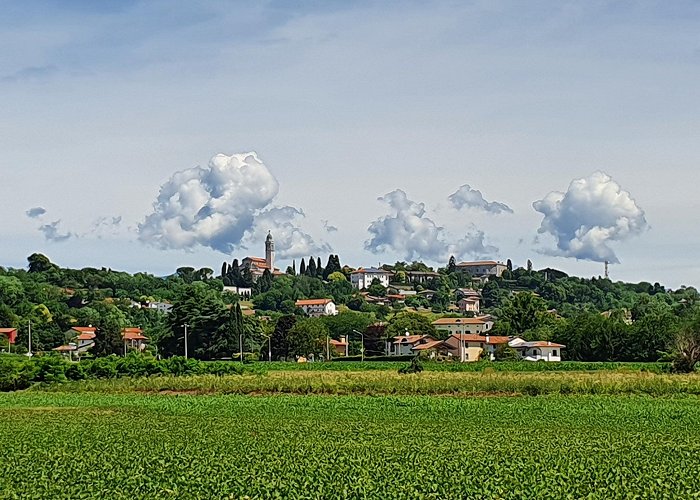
(313, 302)
(485, 339)
(337, 342)
(408, 339)
(86, 336)
(8, 330)
(459, 321)
(65, 348)
(84, 329)
(428, 345)
(539, 343)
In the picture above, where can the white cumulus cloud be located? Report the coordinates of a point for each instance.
(594, 212)
(224, 206)
(468, 197)
(409, 234)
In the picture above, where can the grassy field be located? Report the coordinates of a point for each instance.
(501, 366)
(70, 445)
(390, 382)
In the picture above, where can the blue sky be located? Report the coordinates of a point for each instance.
(346, 103)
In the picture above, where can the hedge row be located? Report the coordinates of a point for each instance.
(19, 373)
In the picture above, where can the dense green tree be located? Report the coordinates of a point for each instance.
(376, 289)
(414, 324)
(39, 263)
(306, 337)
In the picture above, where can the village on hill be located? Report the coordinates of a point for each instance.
(464, 312)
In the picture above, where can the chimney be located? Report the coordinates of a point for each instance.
(488, 337)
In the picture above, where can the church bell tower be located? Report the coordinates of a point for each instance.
(270, 252)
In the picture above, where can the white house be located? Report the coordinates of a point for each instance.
(539, 350)
(163, 307)
(469, 304)
(404, 345)
(363, 277)
(317, 307)
(482, 268)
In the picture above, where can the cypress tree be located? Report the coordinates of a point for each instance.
(319, 268)
(311, 269)
(302, 267)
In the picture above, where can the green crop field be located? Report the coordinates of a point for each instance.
(87, 445)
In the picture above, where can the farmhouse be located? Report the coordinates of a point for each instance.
(134, 338)
(317, 307)
(473, 345)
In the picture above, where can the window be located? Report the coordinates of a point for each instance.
(554, 352)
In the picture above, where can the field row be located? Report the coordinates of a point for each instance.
(392, 383)
(140, 446)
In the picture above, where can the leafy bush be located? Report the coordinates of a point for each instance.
(414, 367)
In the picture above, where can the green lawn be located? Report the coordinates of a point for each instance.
(57, 445)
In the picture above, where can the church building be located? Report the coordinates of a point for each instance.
(257, 265)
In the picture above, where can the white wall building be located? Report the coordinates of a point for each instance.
(362, 278)
(539, 350)
(317, 307)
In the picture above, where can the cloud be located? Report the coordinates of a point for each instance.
(35, 212)
(105, 226)
(224, 206)
(52, 232)
(594, 212)
(290, 240)
(409, 234)
(329, 228)
(30, 73)
(465, 196)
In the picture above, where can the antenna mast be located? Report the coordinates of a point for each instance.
(607, 275)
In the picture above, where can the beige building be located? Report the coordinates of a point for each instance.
(482, 268)
(478, 325)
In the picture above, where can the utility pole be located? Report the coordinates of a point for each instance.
(240, 345)
(362, 350)
(185, 325)
(29, 352)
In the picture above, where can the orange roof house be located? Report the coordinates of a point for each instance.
(10, 333)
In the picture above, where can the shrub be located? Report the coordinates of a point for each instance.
(414, 367)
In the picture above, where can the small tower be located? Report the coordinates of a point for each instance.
(270, 252)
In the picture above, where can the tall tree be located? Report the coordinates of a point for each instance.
(452, 265)
(509, 265)
(311, 269)
(280, 337)
(319, 268)
(302, 267)
(529, 265)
